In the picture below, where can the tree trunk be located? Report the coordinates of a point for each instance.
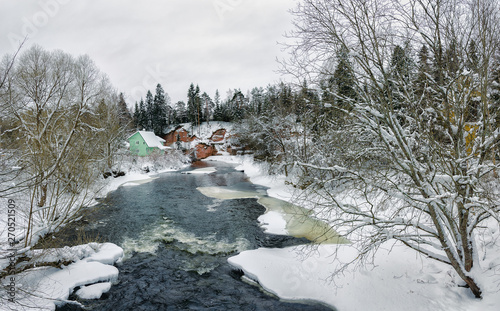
(473, 287)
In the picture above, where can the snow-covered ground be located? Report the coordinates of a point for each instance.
(398, 278)
(42, 288)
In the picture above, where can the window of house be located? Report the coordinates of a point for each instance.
(137, 142)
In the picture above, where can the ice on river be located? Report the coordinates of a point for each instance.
(282, 217)
(205, 170)
(273, 222)
(224, 193)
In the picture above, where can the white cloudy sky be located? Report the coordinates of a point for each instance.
(218, 44)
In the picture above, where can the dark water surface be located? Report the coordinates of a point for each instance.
(177, 242)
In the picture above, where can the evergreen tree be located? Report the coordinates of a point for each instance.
(237, 106)
(217, 98)
(399, 76)
(400, 64)
(306, 99)
(159, 113)
(286, 98)
(208, 106)
(452, 60)
(256, 100)
(143, 116)
(422, 81)
(137, 114)
(472, 62)
(343, 78)
(217, 112)
(438, 66)
(180, 112)
(270, 99)
(194, 105)
(125, 118)
(149, 111)
(495, 90)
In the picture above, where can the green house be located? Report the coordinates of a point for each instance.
(143, 143)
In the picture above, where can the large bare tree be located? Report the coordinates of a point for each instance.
(56, 105)
(430, 124)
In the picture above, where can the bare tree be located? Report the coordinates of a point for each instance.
(8, 169)
(53, 100)
(429, 188)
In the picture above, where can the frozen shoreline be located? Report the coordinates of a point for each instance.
(43, 288)
(398, 277)
(91, 273)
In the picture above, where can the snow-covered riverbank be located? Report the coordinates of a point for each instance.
(88, 270)
(91, 274)
(398, 277)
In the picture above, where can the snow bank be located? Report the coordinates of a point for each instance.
(108, 254)
(273, 222)
(398, 278)
(93, 291)
(45, 287)
(130, 179)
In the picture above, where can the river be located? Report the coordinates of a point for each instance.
(177, 241)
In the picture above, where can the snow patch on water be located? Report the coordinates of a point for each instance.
(282, 217)
(224, 193)
(205, 170)
(273, 223)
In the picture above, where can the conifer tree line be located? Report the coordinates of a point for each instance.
(156, 112)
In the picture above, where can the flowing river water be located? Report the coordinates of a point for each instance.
(177, 241)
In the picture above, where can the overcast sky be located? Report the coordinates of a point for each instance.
(218, 44)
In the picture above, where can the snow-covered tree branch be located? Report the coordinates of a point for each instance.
(62, 123)
(433, 123)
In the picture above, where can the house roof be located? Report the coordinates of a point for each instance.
(151, 139)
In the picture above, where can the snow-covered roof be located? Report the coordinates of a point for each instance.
(205, 130)
(151, 139)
